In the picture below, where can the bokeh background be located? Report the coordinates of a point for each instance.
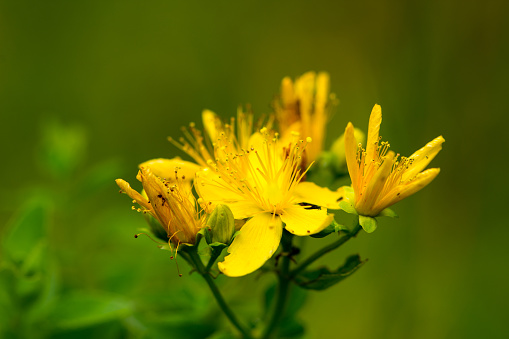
(89, 89)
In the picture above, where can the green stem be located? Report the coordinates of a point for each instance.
(217, 294)
(282, 289)
(325, 250)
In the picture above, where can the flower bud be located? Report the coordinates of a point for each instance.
(338, 149)
(221, 225)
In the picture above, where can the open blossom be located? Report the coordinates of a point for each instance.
(171, 202)
(380, 178)
(263, 182)
(200, 147)
(304, 107)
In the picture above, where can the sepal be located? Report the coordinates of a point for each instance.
(334, 227)
(388, 213)
(322, 278)
(369, 224)
(347, 202)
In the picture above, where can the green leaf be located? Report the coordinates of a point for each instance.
(323, 278)
(26, 230)
(388, 213)
(334, 227)
(368, 224)
(80, 310)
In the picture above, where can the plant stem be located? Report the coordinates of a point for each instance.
(282, 289)
(217, 294)
(325, 250)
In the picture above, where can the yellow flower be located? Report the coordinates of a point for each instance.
(304, 107)
(171, 202)
(200, 147)
(263, 183)
(380, 178)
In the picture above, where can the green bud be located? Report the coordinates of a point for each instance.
(322, 172)
(338, 149)
(221, 225)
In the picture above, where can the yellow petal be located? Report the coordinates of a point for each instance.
(257, 241)
(407, 189)
(212, 124)
(423, 157)
(304, 89)
(313, 194)
(287, 92)
(375, 186)
(140, 200)
(213, 189)
(302, 221)
(351, 154)
(244, 209)
(322, 92)
(375, 119)
(165, 168)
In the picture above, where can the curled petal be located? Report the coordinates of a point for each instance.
(400, 192)
(423, 157)
(165, 168)
(133, 194)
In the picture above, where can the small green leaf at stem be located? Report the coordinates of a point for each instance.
(388, 213)
(369, 224)
(323, 278)
(334, 227)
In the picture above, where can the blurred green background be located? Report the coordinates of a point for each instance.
(88, 90)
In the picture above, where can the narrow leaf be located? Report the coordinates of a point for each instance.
(323, 278)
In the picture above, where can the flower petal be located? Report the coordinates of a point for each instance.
(375, 119)
(372, 192)
(244, 209)
(423, 157)
(133, 194)
(302, 221)
(351, 154)
(313, 194)
(407, 189)
(213, 189)
(257, 241)
(212, 124)
(165, 168)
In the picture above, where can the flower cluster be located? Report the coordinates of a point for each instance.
(259, 171)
